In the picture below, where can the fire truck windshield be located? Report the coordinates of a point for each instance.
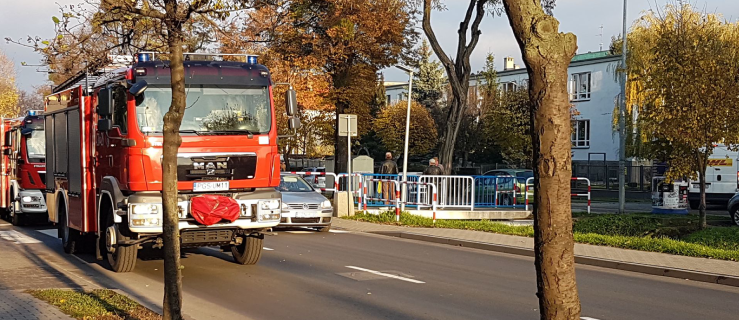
(36, 146)
(209, 109)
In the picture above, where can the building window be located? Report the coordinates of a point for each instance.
(580, 86)
(581, 134)
(400, 97)
(388, 100)
(508, 86)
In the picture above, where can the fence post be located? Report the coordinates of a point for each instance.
(397, 200)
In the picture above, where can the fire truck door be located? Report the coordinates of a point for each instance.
(112, 160)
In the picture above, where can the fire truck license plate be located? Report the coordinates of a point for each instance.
(210, 186)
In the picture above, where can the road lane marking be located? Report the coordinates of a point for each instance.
(588, 318)
(268, 249)
(339, 231)
(17, 237)
(54, 233)
(300, 232)
(385, 274)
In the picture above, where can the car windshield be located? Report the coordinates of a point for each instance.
(525, 174)
(293, 184)
(209, 109)
(36, 146)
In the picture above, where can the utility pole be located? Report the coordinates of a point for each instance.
(622, 125)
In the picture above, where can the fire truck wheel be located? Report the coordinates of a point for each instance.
(249, 251)
(123, 258)
(69, 236)
(16, 220)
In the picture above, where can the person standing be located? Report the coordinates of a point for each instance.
(433, 169)
(389, 167)
(438, 164)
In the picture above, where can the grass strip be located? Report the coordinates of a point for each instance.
(95, 304)
(717, 243)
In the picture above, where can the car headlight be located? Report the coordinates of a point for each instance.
(27, 199)
(270, 204)
(326, 204)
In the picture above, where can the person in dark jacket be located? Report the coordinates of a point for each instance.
(389, 167)
(433, 169)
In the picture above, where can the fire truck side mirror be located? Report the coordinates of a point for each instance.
(105, 103)
(138, 88)
(7, 142)
(6, 152)
(293, 123)
(291, 102)
(104, 125)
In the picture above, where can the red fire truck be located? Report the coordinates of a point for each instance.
(23, 167)
(104, 150)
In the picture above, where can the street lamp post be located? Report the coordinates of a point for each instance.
(622, 126)
(407, 130)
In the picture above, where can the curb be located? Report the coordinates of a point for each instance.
(598, 262)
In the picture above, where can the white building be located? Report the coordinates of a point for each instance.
(395, 91)
(593, 92)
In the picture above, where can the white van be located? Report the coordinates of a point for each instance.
(721, 178)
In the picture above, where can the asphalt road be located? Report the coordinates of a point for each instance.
(358, 276)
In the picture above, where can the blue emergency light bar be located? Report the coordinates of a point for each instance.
(143, 57)
(251, 59)
(35, 112)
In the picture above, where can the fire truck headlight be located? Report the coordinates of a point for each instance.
(27, 199)
(269, 204)
(145, 209)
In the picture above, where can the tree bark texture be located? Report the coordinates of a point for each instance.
(547, 54)
(702, 164)
(458, 71)
(172, 141)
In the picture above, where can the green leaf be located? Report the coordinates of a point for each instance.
(55, 19)
(45, 42)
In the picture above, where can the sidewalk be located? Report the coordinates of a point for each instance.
(699, 269)
(22, 270)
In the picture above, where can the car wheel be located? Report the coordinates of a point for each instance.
(324, 229)
(735, 215)
(694, 204)
(249, 251)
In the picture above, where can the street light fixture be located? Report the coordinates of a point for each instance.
(407, 129)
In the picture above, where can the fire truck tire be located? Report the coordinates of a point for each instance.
(123, 259)
(16, 220)
(249, 251)
(69, 236)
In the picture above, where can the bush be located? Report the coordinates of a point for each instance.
(617, 225)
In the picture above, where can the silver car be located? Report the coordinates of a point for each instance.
(302, 206)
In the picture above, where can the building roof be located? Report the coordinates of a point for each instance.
(592, 55)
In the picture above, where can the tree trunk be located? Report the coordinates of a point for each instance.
(453, 120)
(702, 164)
(547, 54)
(171, 144)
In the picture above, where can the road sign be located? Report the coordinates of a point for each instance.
(347, 125)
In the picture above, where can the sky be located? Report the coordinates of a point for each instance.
(19, 19)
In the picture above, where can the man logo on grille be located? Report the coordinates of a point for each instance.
(210, 167)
